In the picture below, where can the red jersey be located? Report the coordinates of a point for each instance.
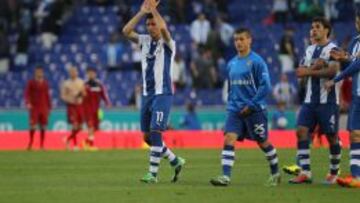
(37, 95)
(95, 92)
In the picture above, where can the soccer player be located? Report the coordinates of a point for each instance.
(353, 125)
(249, 84)
(295, 169)
(95, 92)
(38, 102)
(319, 107)
(158, 51)
(73, 93)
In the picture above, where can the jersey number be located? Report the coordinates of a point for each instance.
(159, 117)
(259, 129)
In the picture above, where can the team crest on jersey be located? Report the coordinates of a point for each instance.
(249, 63)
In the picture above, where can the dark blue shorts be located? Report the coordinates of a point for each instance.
(253, 127)
(353, 122)
(154, 112)
(324, 115)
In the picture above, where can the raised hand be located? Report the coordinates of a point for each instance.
(148, 5)
(153, 3)
(145, 7)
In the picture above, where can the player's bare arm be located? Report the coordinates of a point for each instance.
(321, 71)
(159, 20)
(327, 70)
(129, 29)
(340, 55)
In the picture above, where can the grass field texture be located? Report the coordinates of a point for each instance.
(113, 176)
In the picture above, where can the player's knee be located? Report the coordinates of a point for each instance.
(301, 133)
(230, 139)
(355, 136)
(147, 138)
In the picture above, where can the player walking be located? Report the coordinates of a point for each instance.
(352, 63)
(158, 51)
(95, 92)
(320, 107)
(249, 84)
(73, 93)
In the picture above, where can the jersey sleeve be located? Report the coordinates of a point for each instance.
(353, 68)
(262, 82)
(328, 56)
(345, 64)
(171, 44)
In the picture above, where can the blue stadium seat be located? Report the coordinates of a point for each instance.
(86, 32)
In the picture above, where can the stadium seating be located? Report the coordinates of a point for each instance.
(86, 33)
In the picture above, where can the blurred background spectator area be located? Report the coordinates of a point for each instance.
(59, 33)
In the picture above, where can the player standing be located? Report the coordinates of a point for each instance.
(249, 84)
(95, 92)
(320, 107)
(353, 125)
(73, 93)
(38, 102)
(158, 51)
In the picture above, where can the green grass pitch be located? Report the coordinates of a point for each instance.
(113, 176)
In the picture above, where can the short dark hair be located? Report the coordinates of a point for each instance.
(149, 16)
(324, 23)
(243, 30)
(90, 69)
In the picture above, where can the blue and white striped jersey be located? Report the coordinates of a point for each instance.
(315, 91)
(354, 50)
(157, 59)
